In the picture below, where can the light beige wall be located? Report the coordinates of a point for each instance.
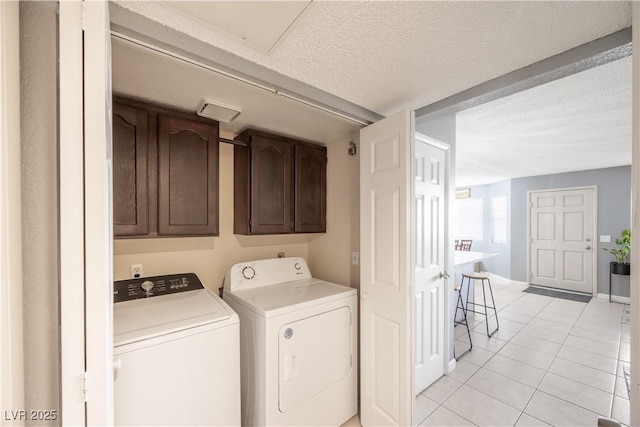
(354, 168)
(209, 257)
(330, 253)
(39, 204)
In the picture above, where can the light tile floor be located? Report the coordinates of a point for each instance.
(553, 362)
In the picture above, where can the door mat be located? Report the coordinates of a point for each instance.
(557, 294)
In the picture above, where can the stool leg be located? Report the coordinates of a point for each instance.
(486, 314)
(486, 317)
(460, 304)
(493, 301)
(468, 290)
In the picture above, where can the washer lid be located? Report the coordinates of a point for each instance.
(283, 298)
(146, 318)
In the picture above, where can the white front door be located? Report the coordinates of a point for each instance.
(386, 293)
(429, 213)
(561, 239)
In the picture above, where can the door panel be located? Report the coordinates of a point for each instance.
(314, 354)
(187, 177)
(310, 189)
(130, 190)
(386, 293)
(271, 188)
(561, 242)
(429, 190)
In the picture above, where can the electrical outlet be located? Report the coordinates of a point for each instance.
(136, 271)
(280, 254)
(355, 258)
(605, 238)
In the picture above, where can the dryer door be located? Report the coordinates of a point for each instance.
(314, 354)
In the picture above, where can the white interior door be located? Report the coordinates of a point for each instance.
(562, 246)
(386, 376)
(429, 213)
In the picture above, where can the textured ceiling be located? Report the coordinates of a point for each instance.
(388, 55)
(579, 122)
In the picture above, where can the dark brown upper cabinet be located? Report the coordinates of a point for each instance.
(130, 170)
(310, 189)
(165, 172)
(187, 177)
(279, 185)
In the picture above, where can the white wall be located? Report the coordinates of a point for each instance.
(39, 203)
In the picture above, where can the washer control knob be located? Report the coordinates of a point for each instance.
(147, 285)
(297, 266)
(248, 273)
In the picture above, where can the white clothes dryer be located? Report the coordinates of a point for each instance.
(176, 354)
(298, 344)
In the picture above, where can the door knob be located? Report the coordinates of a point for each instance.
(444, 275)
(364, 297)
(588, 247)
(587, 239)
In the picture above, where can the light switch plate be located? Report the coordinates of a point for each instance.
(355, 258)
(605, 239)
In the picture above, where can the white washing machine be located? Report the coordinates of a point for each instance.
(298, 344)
(176, 354)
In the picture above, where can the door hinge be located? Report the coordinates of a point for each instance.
(351, 361)
(85, 386)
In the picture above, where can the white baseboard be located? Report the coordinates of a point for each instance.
(615, 298)
(452, 365)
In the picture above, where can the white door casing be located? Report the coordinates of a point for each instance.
(98, 212)
(71, 177)
(429, 170)
(86, 328)
(11, 326)
(386, 294)
(562, 239)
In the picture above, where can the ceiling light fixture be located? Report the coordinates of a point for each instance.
(218, 110)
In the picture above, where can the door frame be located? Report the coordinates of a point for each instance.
(594, 252)
(11, 324)
(86, 327)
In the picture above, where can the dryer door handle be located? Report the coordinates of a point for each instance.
(290, 367)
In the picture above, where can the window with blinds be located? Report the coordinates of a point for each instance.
(469, 219)
(499, 219)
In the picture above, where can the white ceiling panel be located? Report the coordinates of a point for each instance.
(261, 23)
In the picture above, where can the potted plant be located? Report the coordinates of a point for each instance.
(621, 264)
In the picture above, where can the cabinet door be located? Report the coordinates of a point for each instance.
(271, 190)
(130, 171)
(187, 177)
(310, 189)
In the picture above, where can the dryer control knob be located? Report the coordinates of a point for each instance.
(297, 266)
(248, 273)
(147, 285)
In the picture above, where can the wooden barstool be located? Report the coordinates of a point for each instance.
(460, 306)
(483, 277)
